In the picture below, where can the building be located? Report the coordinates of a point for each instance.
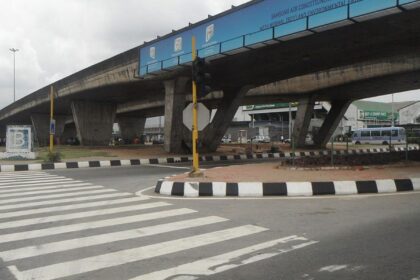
(410, 114)
(273, 119)
(276, 120)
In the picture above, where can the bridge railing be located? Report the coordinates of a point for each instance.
(346, 13)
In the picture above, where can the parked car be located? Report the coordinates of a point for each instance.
(226, 140)
(260, 139)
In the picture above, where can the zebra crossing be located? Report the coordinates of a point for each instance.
(53, 227)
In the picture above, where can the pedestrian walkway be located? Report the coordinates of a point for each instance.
(55, 227)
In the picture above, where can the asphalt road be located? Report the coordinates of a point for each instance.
(50, 236)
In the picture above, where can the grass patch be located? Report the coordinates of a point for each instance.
(72, 152)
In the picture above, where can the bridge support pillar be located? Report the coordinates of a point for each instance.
(175, 91)
(211, 136)
(303, 120)
(69, 132)
(94, 122)
(335, 115)
(41, 124)
(131, 127)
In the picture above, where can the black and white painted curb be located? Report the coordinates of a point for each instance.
(172, 160)
(293, 189)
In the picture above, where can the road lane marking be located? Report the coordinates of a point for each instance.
(61, 246)
(39, 193)
(75, 267)
(9, 175)
(74, 193)
(80, 215)
(70, 207)
(91, 195)
(18, 181)
(169, 166)
(227, 261)
(47, 187)
(93, 225)
(50, 182)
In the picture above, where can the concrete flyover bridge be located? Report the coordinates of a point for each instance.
(338, 52)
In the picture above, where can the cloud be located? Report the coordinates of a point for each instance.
(56, 38)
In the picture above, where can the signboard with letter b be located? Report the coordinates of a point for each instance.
(19, 142)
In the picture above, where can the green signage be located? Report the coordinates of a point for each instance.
(267, 106)
(377, 115)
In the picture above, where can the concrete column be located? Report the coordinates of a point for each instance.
(41, 124)
(131, 127)
(94, 122)
(335, 115)
(175, 91)
(303, 120)
(211, 136)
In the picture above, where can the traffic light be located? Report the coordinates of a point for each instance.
(201, 77)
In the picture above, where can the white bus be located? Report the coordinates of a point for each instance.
(380, 135)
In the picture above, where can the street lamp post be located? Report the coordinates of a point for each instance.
(14, 72)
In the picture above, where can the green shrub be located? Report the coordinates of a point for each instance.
(53, 157)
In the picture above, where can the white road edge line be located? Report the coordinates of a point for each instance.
(168, 166)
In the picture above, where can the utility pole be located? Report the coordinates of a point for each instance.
(196, 165)
(52, 122)
(392, 106)
(13, 50)
(290, 120)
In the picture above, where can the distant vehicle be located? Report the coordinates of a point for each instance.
(380, 135)
(226, 140)
(308, 140)
(260, 139)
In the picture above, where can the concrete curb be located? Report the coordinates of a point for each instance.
(172, 160)
(291, 189)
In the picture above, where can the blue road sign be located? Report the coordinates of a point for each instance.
(52, 127)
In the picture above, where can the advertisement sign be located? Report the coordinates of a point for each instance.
(18, 139)
(233, 29)
(19, 142)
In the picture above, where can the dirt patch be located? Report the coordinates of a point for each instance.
(272, 172)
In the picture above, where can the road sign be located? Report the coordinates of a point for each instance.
(52, 127)
(203, 116)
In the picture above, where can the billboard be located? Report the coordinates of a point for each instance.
(19, 142)
(251, 23)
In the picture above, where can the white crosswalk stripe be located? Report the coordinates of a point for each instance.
(67, 194)
(11, 214)
(20, 182)
(88, 227)
(44, 187)
(31, 251)
(40, 193)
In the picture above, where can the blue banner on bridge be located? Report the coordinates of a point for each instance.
(254, 23)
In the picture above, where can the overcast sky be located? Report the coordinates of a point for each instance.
(56, 38)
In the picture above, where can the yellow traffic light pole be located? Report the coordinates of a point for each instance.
(51, 117)
(196, 164)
